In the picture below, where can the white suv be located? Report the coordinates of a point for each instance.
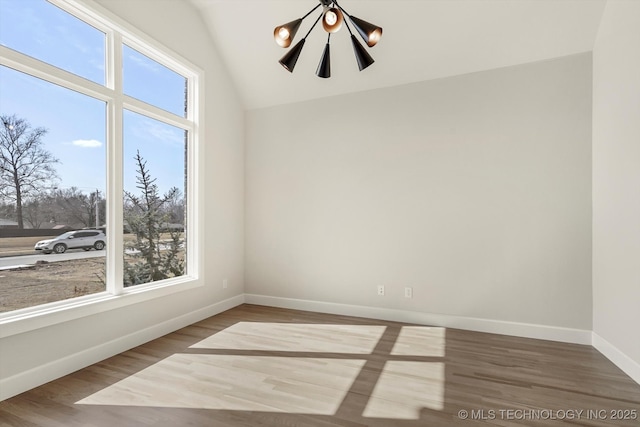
(85, 239)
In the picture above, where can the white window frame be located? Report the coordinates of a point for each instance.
(117, 33)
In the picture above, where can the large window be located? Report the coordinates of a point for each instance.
(97, 158)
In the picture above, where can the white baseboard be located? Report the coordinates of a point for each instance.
(35, 377)
(27, 380)
(621, 360)
(527, 330)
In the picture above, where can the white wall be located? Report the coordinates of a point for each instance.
(616, 186)
(474, 190)
(45, 353)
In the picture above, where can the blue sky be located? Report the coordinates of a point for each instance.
(76, 123)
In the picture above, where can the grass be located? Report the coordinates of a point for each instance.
(49, 282)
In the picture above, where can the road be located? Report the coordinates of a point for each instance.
(32, 259)
(12, 261)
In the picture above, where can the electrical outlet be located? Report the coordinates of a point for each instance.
(225, 283)
(408, 292)
(381, 290)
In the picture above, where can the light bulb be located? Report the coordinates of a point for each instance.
(283, 33)
(375, 37)
(330, 17)
(332, 20)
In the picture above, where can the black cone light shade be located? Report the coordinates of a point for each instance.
(289, 60)
(370, 33)
(333, 17)
(284, 34)
(324, 67)
(362, 56)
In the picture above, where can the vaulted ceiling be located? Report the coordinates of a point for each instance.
(422, 40)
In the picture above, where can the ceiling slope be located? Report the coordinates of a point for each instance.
(422, 40)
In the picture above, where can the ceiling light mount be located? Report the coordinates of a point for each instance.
(333, 18)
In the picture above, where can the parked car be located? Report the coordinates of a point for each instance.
(85, 239)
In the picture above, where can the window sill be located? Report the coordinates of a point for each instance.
(29, 319)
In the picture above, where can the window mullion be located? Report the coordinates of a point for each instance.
(115, 226)
(194, 191)
(151, 111)
(42, 70)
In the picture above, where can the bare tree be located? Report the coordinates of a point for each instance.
(26, 168)
(75, 208)
(175, 207)
(7, 210)
(35, 212)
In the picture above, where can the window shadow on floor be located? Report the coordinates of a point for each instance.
(259, 366)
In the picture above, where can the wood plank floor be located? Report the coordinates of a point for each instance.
(260, 366)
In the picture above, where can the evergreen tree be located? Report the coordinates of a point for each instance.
(147, 217)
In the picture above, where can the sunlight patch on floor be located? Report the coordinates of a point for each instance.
(296, 337)
(240, 383)
(420, 341)
(404, 388)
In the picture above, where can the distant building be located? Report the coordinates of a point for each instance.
(56, 226)
(7, 223)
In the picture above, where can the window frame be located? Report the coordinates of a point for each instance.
(117, 33)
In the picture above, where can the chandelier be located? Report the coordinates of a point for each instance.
(332, 16)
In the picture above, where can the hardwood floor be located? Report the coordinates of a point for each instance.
(260, 366)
